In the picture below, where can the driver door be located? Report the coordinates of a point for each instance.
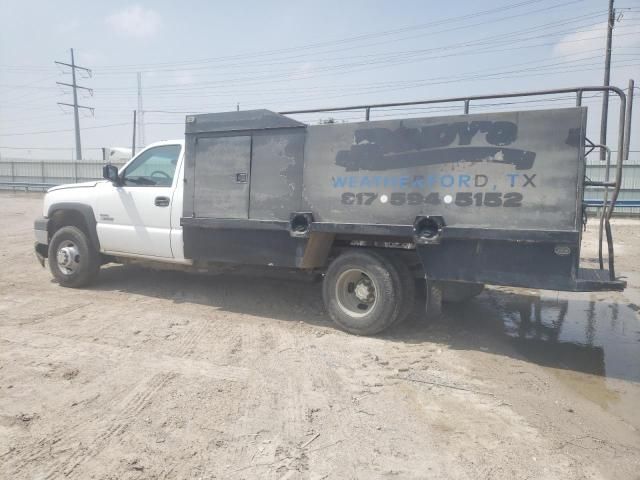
(135, 217)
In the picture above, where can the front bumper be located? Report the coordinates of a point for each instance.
(40, 228)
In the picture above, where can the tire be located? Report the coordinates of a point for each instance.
(408, 287)
(364, 292)
(73, 261)
(456, 292)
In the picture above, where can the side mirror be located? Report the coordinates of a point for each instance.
(110, 172)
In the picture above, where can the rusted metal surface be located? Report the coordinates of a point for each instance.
(276, 174)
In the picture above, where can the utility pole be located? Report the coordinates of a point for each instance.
(75, 105)
(607, 74)
(627, 123)
(133, 142)
(140, 113)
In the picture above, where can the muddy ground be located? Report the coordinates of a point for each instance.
(161, 375)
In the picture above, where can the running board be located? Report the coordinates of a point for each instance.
(594, 279)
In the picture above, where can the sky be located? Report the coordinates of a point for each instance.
(211, 56)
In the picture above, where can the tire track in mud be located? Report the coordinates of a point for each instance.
(273, 435)
(195, 336)
(254, 394)
(294, 417)
(70, 436)
(163, 360)
(62, 453)
(298, 399)
(30, 453)
(61, 438)
(191, 339)
(117, 425)
(42, 317)
(207, 330)
(295, 425)
(342, 420)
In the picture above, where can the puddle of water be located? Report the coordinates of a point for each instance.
(590, 336)
(592, 346)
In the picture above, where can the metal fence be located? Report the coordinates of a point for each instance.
(40, 175)
(628, 202)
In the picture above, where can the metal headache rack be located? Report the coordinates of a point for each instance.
(611, 188)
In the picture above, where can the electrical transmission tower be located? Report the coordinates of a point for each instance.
(75, 105)
(140, 113)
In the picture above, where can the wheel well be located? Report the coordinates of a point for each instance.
(68, 218)
(400, 251)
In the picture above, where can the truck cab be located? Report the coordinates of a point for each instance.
(134, 214)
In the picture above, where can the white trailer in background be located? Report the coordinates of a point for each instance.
(116, 154)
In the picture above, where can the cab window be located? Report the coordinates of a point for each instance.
(153, 168)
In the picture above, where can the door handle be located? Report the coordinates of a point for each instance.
(162, 201)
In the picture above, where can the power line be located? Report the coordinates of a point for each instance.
(201, 92)
(384, 60)
(550, 68)
(365, 36)
(426, 109)
(411, 54)
(306, 90)
(30, 84)
(137, 67)
(184, 89)
(46, 148)
(553, 68)
(175, 89)
(557, 67)
(490, 41)
(61, 131)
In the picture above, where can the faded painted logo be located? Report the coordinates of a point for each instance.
(377, 149)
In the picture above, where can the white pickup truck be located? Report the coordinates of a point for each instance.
(139, 217)
(460, 201)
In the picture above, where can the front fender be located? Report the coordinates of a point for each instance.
(85, 211)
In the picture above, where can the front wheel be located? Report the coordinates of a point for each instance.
(364, 292)
(72, 259)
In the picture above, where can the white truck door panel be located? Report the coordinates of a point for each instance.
(135, 218)
(130, 222)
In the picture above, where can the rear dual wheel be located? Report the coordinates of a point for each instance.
(366, 292)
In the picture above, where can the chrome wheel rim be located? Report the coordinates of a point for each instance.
(68, 257)
(356, 293)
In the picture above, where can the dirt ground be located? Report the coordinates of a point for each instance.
(162, 375)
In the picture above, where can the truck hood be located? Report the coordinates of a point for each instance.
(76, 185)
